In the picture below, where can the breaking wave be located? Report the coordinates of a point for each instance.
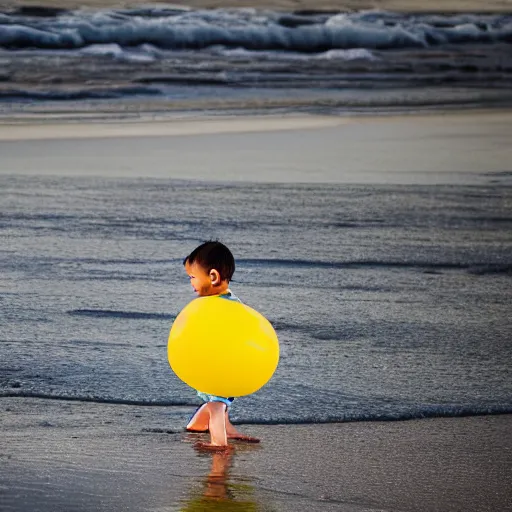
(229, 59)
(252, 30)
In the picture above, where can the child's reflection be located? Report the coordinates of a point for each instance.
(216, 484)
(218, 492)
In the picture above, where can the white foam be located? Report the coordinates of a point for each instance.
(251, 30)
(352, 54)
(113, 50)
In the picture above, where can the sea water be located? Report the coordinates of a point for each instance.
(390, 302)
(253, 59)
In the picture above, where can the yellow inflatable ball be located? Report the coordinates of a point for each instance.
(222, 347)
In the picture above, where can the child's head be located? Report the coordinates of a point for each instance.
(210, 268)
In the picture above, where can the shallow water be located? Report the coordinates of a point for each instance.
(389, 301)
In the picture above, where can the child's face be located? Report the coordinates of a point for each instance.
(200, 280)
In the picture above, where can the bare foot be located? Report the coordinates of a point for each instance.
(197, 430)
(213, 447)
(243, 437)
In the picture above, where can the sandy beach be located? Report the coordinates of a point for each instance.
(59, 455)
(456, 148)
(71, 455)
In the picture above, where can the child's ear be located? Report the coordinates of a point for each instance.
(214, 277)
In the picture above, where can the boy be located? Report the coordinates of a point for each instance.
(210, 268)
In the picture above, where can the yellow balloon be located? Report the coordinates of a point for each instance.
(222, 347)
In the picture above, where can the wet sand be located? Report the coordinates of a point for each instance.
(59, 455)
(450, 148)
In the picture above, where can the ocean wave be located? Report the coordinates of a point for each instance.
(98, 399)
(428, 267)
(227, 60)
(141, 54)
(129, 315)
(360, 264)
(414, 413)
(364, 413)
(360, 54)
(10, 94)
(252, 30)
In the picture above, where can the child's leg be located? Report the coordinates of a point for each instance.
(199, 422)
(233, 433)
(216, 425)
(223, 429)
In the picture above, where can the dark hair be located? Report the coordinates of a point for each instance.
(213, 255)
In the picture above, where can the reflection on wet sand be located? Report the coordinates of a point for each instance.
(219, 492)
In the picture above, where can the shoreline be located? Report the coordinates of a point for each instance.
(467, 148)
(111, 457)
(78, 129)
(44, 126)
